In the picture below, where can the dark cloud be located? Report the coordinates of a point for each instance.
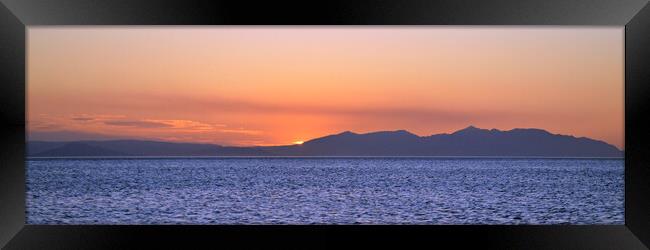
(67, 135)
(83, 118)
(39, 125)
(407, 113)
(138, 124)
(223, 104)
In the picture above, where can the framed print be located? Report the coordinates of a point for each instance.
(185, 124)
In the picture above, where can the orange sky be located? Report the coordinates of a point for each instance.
(278, 85)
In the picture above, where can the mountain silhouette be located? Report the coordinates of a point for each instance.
(470, 141)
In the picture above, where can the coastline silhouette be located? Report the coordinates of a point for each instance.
(468, 142)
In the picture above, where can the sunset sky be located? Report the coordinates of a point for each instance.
(280, 85)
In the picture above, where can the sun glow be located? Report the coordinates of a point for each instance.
(298, 142)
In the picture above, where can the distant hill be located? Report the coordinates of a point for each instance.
(470, 141)
(81, 149)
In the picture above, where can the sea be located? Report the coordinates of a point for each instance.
(312, 190)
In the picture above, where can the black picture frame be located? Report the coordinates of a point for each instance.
(17, 15)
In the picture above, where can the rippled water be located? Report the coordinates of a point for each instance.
(325, 191)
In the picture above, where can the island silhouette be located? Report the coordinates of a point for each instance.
(467, 142)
